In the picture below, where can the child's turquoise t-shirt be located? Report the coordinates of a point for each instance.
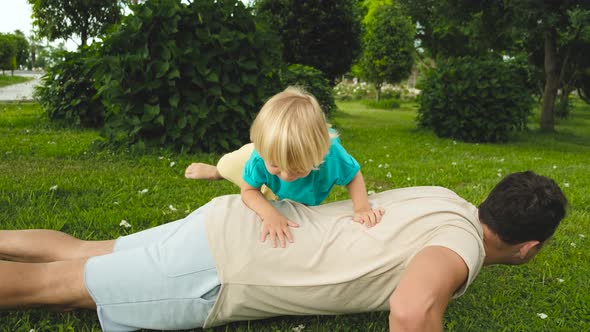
(339, 168)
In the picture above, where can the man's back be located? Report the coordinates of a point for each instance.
(335, 265)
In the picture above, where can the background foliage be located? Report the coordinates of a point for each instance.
(388, 47)
(190, 76)
(324, 34)
(67, 92)
(475, 99)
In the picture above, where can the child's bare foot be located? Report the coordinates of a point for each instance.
(201, 171)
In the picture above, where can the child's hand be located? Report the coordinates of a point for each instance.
(369, 217)
(277, 229)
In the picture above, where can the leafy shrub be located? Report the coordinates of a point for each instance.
(475, 100)
(67, 93)
(314, 82)
(383, 103)
(187, 76)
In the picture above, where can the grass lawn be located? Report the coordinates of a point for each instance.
(6, 80)
(55, 178)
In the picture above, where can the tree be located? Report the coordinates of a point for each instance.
(57, 19)
(553, 29)
(388, 47)
(549, 31)
(22, 48)
(324, 34)
(7, 52)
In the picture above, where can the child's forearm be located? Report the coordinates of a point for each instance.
(254, 199)
(358, 193)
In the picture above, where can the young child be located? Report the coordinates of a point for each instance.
(297, 157)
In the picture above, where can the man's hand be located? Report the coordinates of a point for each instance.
(277, 228)
(369, 217)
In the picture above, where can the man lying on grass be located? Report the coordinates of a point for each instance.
(209, 268)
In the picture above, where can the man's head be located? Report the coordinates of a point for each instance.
(291, 134)
(524, 208)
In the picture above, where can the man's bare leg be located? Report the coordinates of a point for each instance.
(201, 171)
(56, 285)
(41, 245)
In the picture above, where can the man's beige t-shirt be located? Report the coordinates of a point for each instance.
(335, 265)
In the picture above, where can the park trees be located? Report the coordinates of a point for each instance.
(324, 34)
(388, 46)
(547, 31)
(57, 19)
(8, 49)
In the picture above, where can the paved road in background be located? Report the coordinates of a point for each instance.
(21, 91)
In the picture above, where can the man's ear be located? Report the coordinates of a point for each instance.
(526, 247)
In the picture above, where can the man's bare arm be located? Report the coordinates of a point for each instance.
(425, 288)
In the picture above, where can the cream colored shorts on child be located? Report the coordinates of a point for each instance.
(231, 166)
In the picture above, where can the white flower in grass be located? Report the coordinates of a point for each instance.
(370, 160)
(143, 191)
(160, 158)
(171, 207)
(542, 315)
(582, 235)
(51, 142)
(559, 280)
(454, 163)
(298, 328)
(554, 166)
(124, 223)
(380, 166)
(371, 192)
(573, 244)
(387, 155)
(499, 175)
(388, 174)
(499, 170)
(386, 166)
(172, 163)
(408, 178)
(502, 160)
(53, 188)
(116, 203)
(566, 184)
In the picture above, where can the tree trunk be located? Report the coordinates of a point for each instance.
(564, 101)
(551, 81)
(378, 90)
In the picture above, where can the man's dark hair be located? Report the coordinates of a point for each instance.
(524, 206)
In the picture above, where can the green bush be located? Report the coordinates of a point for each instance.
(475, 100)
(314, 82)
(67, 93)
(187, 76)
(383, 103)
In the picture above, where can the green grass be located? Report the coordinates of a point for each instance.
(6, 80)
(97, 189)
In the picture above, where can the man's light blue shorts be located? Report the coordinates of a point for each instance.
(163, 278)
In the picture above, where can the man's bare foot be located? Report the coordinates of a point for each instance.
(201, 171)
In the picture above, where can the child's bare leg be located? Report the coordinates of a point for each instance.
(40, 245)
(58, 285)
(201, 171)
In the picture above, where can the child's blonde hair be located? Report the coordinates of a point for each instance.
(291, 132)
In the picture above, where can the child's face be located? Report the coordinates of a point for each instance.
(286, 176)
